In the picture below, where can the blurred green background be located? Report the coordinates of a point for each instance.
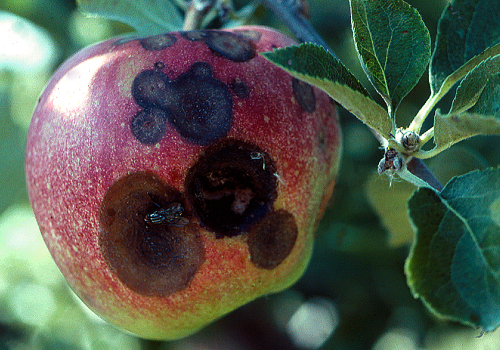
(354, 293)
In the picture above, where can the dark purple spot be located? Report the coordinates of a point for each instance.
(200, 106)
(152, 260)
(272, 239)
(149, 88)
(230, 187)
(232, 46)
(239, 88)
(195, 35)
(158, 42)
(149, 125)
(304, 93)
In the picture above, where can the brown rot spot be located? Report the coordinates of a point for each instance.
(151, 259)
(200, 106)
(272, 239)
(240, 88)
(149, 125)
(232, 46)
(230, 188)
(158, 42)
(150, 88)
(304, 93)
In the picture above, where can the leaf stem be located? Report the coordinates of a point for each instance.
(288, 11)
(426, 136)
(431, 153)
(418, 121)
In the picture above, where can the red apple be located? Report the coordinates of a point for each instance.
(177, 177)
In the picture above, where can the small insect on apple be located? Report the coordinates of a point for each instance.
(171, 214)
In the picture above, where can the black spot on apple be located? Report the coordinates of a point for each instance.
(201, 106)
(233, 46)
(195, 35)
(149, 125)
(158, 42)
(240, 88)
(152, 260)
(230, 187)
(272, 239)
(304, 93)
(150, 88)
(197, 105)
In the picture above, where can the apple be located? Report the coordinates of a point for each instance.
(177, 177)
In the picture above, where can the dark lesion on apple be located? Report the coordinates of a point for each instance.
(149, 125)
(229, 188)
(272, 239)
(237, 47)
(232, 188)
(150, 259)
(158, 42)
(239, 88)
(304, 94)
(198, 105)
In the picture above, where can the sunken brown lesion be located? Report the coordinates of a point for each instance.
(231, 188)
(272, 239)
(150, 259)
(304, 94)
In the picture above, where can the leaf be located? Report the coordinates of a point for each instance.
(393, 45)
(316, 66)
(147, 17)
(472, 86)
(466, 28)
(489, 101)
(454, 263)
(452, 128)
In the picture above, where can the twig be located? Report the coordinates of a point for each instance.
(195, 12)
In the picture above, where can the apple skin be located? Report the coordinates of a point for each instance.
(95, 175)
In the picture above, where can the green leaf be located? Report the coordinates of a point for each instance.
(472, 86)
(316, 66)
(147, 17)
(466, 28)
(489, 101)
(452, 128)
(393, 44)
(454, 263)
